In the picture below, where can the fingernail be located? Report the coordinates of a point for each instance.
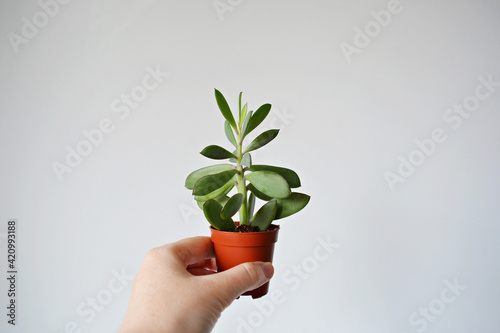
(268, 269)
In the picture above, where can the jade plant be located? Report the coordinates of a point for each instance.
(212, 185)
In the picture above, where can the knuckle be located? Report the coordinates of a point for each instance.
(155, 254)
(253, 272)
(152, 253)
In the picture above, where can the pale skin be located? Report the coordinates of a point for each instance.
(178, 290)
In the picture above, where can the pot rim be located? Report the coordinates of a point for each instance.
(245, 239)
(250, 232)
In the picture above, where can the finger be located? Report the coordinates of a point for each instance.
(207, 263)
(192, 250)
(241, 278)
(198, 271)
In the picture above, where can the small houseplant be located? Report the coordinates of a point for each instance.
(251, 238)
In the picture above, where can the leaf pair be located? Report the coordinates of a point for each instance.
(251, 120)
(218, 153)
(212, 210)
(211, 182)
(247, 121)
(269, 185)
(267, 181)
(278, 209)
(220, 217)
(196, 175)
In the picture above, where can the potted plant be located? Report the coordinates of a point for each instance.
(251, 238)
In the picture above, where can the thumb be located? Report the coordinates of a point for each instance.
(244, 277)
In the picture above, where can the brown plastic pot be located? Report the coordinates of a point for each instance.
(234, 248)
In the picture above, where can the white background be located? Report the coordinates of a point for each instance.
(344, 125)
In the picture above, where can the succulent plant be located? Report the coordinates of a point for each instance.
(211, 185)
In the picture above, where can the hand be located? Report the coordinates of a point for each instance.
(177, 288)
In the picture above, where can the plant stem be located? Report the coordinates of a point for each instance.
(241, 181)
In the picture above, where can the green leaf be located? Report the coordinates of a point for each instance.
(258, 117)
(251, 205)
(224, 108)
(264, 216)
(217, 193)
(232, 206)
(243, 114)
(247, 160)
(239, 106)
(209, 170)
(291, 205)
(290, 176)
(262, 140)
(245, 124)
(216, 153)
(258, 193)
(210, 183)
(212, 210)
(269, 183)
(229, 133)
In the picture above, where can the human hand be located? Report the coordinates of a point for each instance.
(178, 290)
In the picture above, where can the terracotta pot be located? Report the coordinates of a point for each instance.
(234, 248)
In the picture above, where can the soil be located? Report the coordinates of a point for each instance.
(247, 228)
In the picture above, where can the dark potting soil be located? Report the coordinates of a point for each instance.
(247, 228)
